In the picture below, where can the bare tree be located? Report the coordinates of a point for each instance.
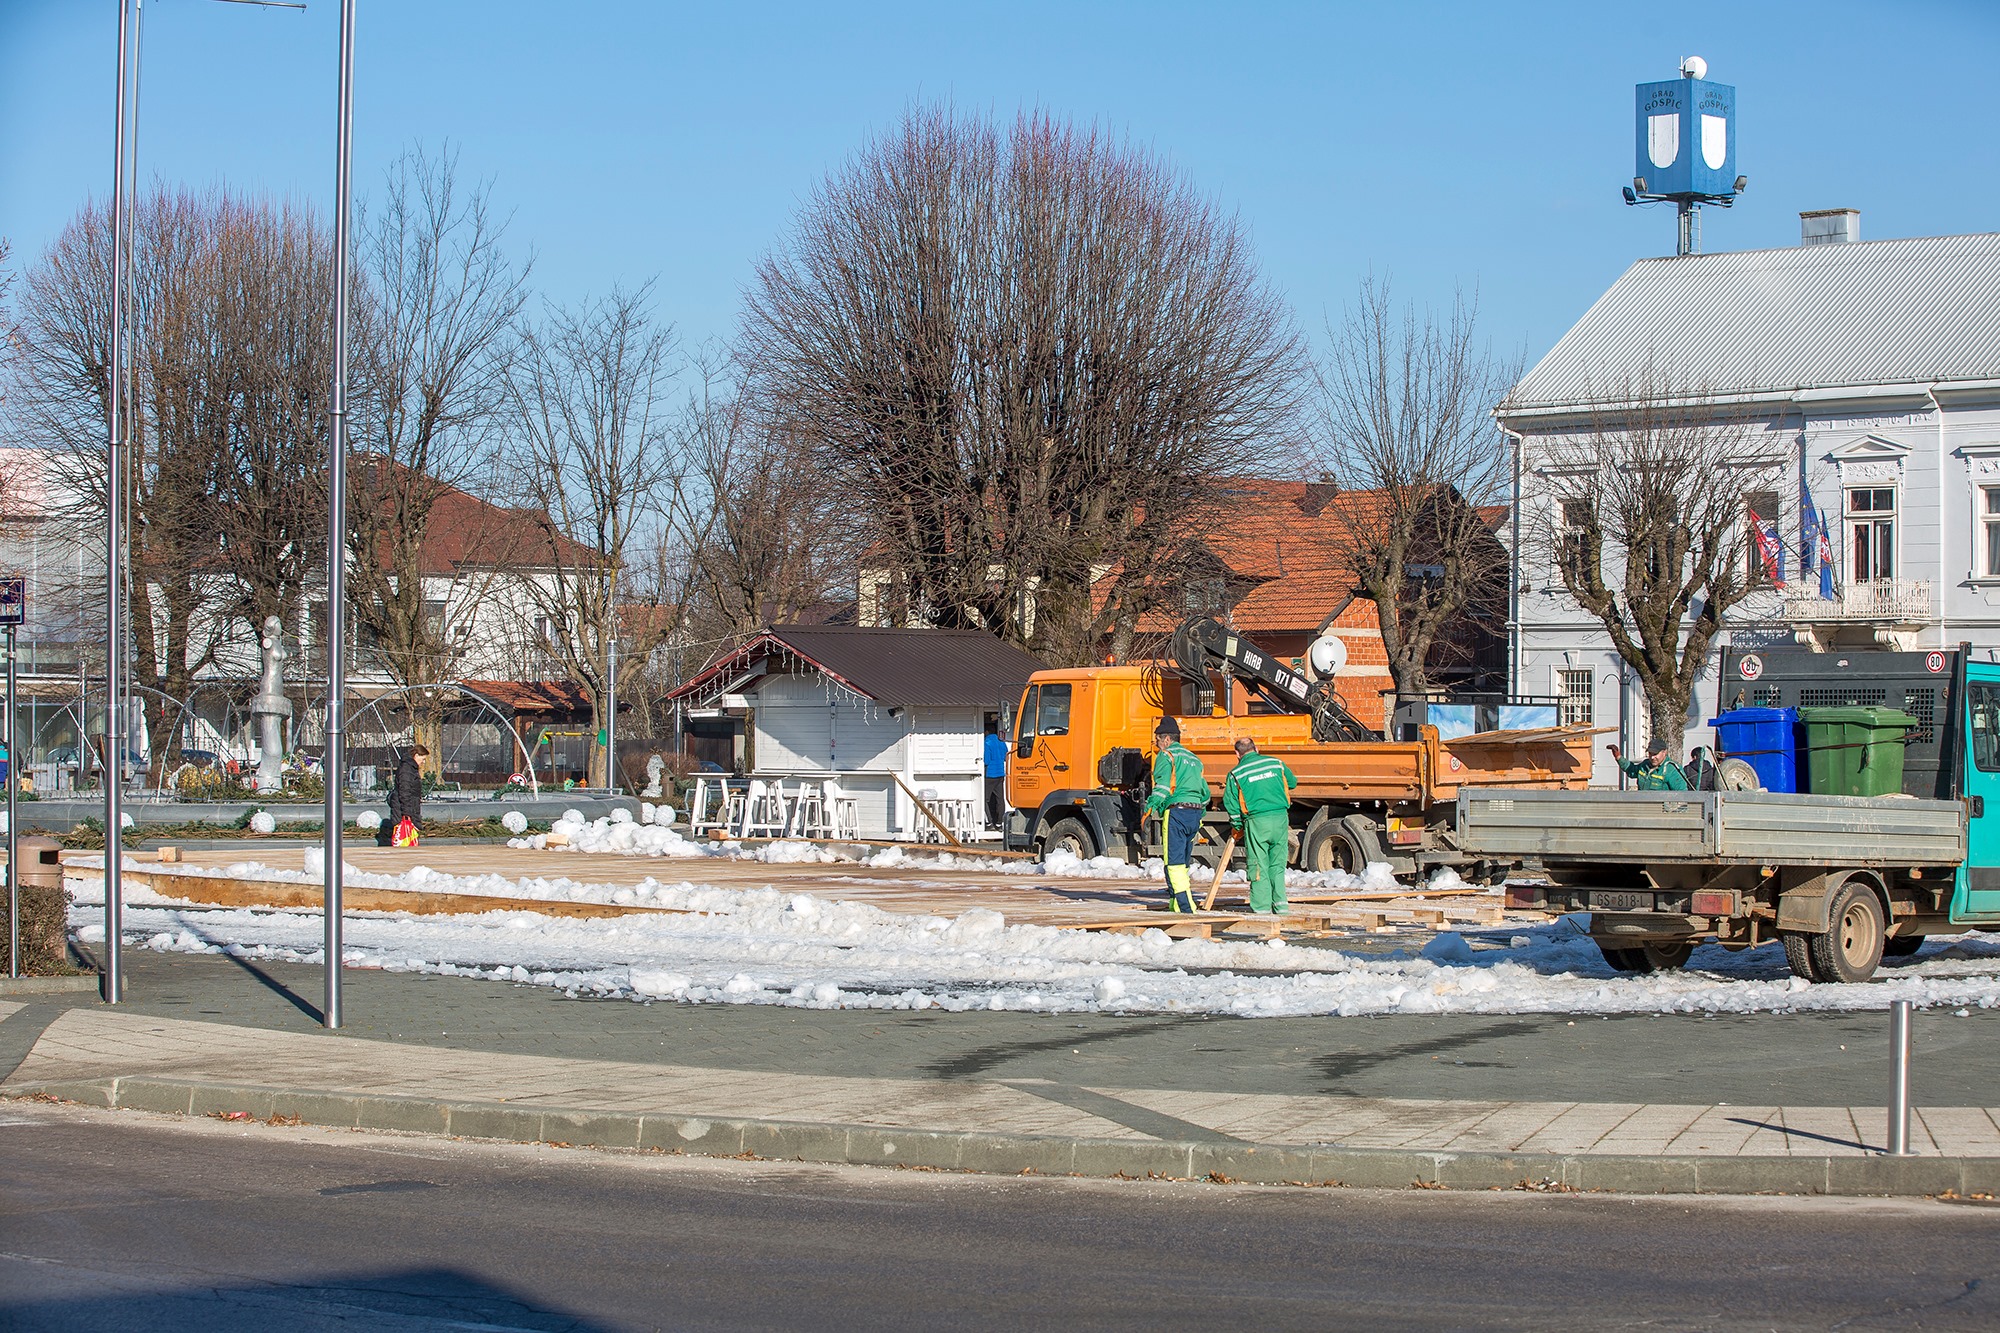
(1645, 515)
(758, 536)
(182, 371)
(1019, 357)
(436, 331)
(274, 270)
(589, 392)
(1405, 400)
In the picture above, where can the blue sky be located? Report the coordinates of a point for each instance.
(1442, 144)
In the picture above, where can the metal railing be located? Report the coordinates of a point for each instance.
(1889, 601)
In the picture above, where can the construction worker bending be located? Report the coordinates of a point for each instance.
(1258, 797)
(1180, 794)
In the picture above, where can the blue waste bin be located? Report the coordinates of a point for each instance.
(1765, 739)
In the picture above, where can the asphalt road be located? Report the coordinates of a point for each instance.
(1751, 1059)
(115, 1220)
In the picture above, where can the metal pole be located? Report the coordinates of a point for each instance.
(13, 857)
(114, 519)
(1899, 1078)
(335, 762)
(611, 725)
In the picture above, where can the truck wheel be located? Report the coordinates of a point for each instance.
(1333, 846)
(1650, 957)
(1851, 951)
(1799, 955)
(1069, 835)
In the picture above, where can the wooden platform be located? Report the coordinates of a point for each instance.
(1126, 906)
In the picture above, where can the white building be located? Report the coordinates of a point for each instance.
(891, 715)
(1876, 368)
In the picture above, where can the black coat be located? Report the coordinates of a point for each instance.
(406, 794)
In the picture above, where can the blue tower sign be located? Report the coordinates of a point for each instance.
(1685, 132)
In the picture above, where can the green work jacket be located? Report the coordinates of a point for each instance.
(1663, 776)
(1260, 784)
(1177, 779)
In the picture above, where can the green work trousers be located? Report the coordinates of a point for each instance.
(1266, 843)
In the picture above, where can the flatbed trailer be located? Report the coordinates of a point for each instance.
(1841, 880)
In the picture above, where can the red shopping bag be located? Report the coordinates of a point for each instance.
(405, 834)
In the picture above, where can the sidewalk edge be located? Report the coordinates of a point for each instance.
(1027, 1154)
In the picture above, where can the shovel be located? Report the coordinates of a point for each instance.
(1221, 865)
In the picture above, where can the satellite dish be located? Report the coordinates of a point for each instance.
(1327, 656)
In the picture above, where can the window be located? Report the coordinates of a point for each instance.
(1579, 697)
(434, 616)
(1989, 522)
(1871, 533)
(1761, 508)
(1053, 717)
(1983, 713)
(1024, 737)
(1579, 519)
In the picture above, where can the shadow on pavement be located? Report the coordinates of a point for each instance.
(985, 1059)
(1346, 1064)
(277, 987)
(414, 1298)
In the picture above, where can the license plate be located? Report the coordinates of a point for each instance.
(1605, 900)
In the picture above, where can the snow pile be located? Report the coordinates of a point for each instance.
(763, 946)
(368, 821)
(611, 834)
(263, 822)
(514, 822)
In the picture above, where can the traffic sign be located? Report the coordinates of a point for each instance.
(13, 601)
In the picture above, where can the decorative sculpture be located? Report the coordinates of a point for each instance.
(271, 708)
(656, 767)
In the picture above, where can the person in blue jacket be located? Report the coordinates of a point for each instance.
(995, 764)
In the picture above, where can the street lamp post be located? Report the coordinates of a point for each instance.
(114, 518)
(334, 765)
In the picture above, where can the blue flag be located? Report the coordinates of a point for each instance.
(1814, 547)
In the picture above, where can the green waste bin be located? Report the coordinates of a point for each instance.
(1855, 750)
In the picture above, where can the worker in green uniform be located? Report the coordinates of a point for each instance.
(1180, 794)
(1258, 797)
(1658, 773)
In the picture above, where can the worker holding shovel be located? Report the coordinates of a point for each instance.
(1180, 794)
(1258, 798)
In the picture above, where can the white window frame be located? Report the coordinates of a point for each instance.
(1564, 697)
(1851, 519)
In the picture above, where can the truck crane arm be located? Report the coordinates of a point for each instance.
(1204, 645)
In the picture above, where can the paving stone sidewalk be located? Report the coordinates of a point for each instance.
(112, 1057)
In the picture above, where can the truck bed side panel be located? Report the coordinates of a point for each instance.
(1749, 827)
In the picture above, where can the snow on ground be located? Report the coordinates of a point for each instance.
(766, 946)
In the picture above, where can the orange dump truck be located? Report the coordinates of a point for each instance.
(1083, 751)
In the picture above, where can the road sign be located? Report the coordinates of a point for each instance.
(13, 601)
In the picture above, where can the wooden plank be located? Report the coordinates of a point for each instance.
(943, 831)
(964, 848)
(225, 892)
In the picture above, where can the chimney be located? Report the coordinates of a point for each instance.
(1830, 226)
(1319, 494)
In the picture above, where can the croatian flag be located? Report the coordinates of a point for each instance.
(1769, 549)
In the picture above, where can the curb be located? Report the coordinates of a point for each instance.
(1028, 1154)
(85, 981)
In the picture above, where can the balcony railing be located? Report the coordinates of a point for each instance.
(1881, 602)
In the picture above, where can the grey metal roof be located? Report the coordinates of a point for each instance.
(947, 668)
(1866, 313)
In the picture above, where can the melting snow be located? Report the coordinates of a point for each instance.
(767, 946)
